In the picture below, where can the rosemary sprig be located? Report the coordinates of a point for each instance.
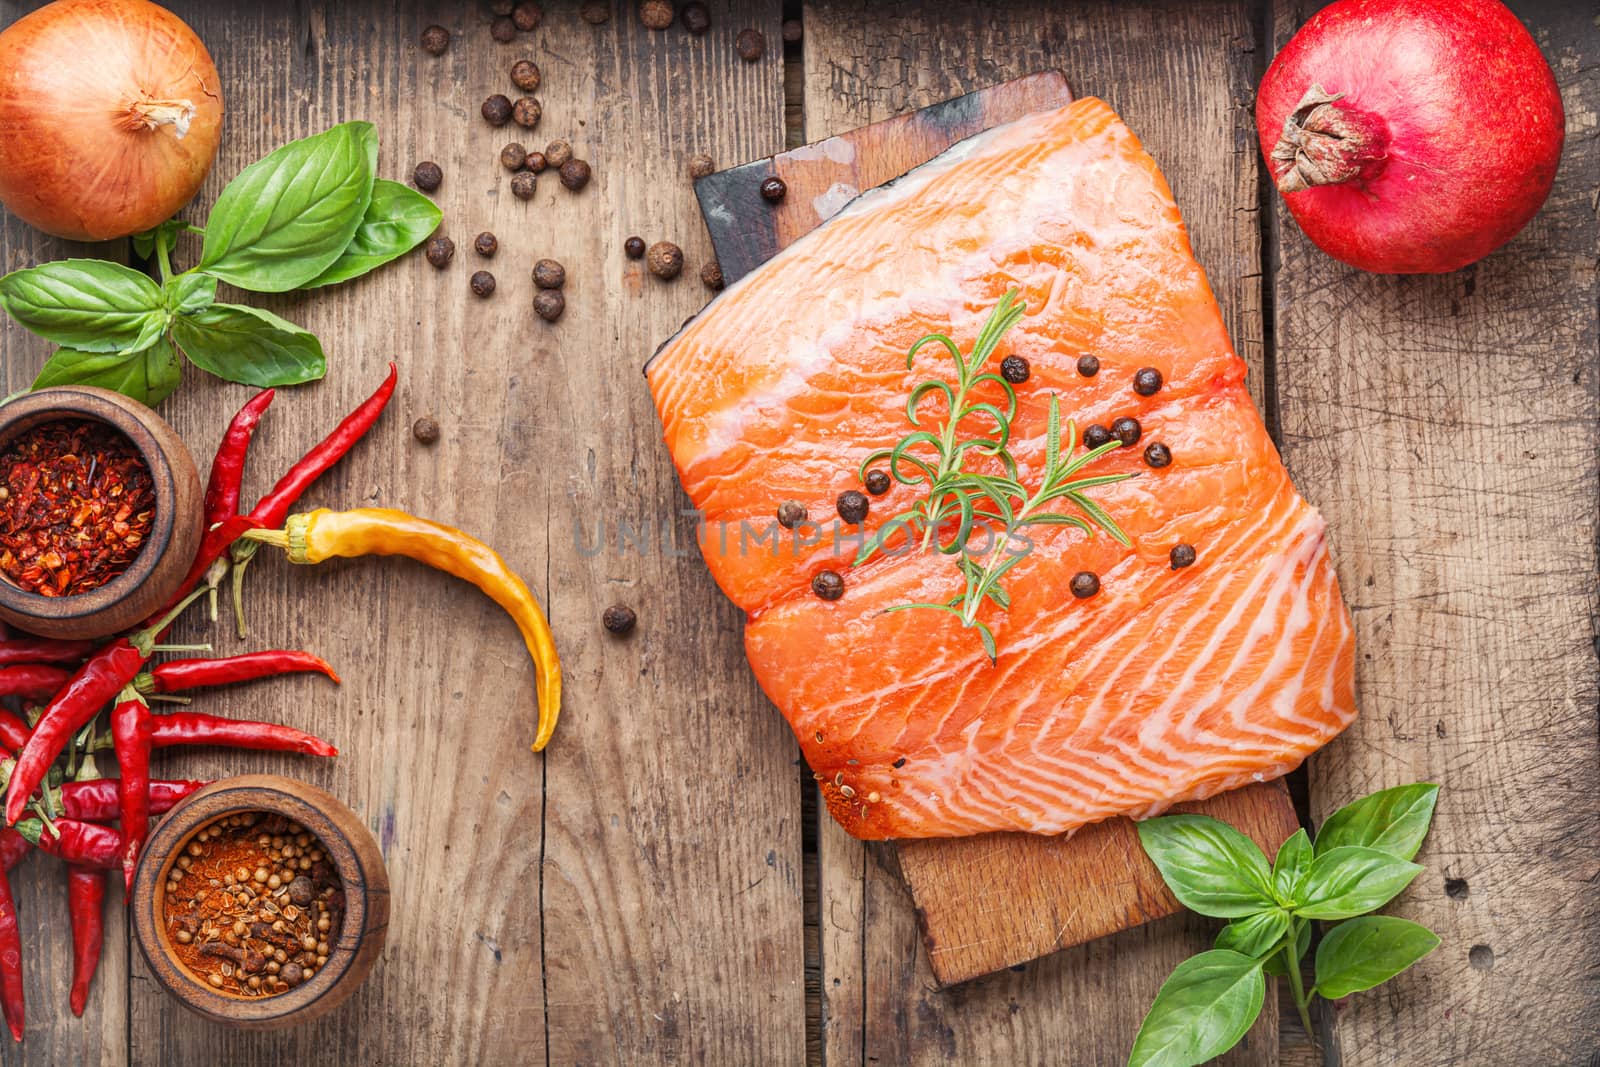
(960, 503)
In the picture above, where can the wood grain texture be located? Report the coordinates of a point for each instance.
(1447, 427)
(1182, 77)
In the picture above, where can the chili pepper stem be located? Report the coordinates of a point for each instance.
(204, 647)
(145, 640)
(242, 555)
(167, 698)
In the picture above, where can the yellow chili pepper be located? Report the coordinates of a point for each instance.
(323, 534)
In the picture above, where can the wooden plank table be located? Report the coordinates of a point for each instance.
(642, 892)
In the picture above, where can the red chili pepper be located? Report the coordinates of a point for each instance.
(84, 843)
(194, 728)
(32, 681)
(227, 469)
(130, 734)
(86, 895)
(14, 848)
(43, 650)
(180, 674)
(14, 733)
(96, 800)
(10, 960)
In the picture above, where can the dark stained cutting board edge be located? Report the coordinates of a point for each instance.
(993, 901)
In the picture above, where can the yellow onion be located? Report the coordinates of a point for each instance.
(110, 113)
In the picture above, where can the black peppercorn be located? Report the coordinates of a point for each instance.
(1181, 556)
(1127, 430)
(853, 506)
(711, 275)
(793, 31)
(526, 16)
(633, 248)
(485, 244)
(1088, 365)
(427, 176)
(696, 19)
(527, 111)
(435, 39)
(656, 14)
(525, 75)
(524, 185)
(1157, 454)
(575, 174)
(700, 165)
(877, 483)
(750, 44)
(773, 190)
(503, 29)
(791, 513)
(548, 304)
(1146, 381)
(1014, 369)
(595, 12)
(665, 260)
(1085, 584)
(483, 283)
(513, 156)
(828, 585)
(619, 619)
(440, 251)
(549, 274)
(425, 430)
(497, 109)
(534, 162)
(1095, 436)
(557, 153)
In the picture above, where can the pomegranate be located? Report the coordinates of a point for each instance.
(1411, 136)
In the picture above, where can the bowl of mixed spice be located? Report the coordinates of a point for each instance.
(261, 901)
(99, 512)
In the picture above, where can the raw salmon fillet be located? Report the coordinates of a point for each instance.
(1168, 685)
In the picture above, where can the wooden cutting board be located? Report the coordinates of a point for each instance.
(995, 900)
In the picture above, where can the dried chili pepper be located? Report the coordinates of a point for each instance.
(84, 843)
(86, 894)
(130, 734)
(195, 728)
(323, 534)
(10, 960)
(177, 675)
(32, 681)
(43, 650)
(97, 801)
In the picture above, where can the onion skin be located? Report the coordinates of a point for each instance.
(1438, 131)
(77, 80)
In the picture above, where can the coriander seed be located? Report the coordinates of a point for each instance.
(427, 176)
(483, 283)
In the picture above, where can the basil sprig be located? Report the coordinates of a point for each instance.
(308, 215)
(1359, 861)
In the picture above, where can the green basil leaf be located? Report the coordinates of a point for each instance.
(1365, 952)
(1209, 866)
(87, 304)
(1201, 1012)
(1392, 820)
(1302, 943)
(287, 217)
(1255, 935)
(1289, 869)
(149, 376)
(244, 344)
(397, 220)
(1350, 880)
(188, 293)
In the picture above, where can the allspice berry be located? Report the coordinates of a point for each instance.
(497, 109)
(535, 162)
(427, 176)
(711, 274)
(523, 185)
(793, 31)
(485, 244)
(665, 260)
(595, 12)
(435, 39)
(513, 156)
(619, 619)
(527, 111)
(440, 251)
(656, 14)
(526, 16)
(548, 304)
(695, 18)
(503, 29)
(633, 248)
(549, 274)
(774, 190)
(700, 165)
(575, 174)
(525, 75)
(483, 283)
(557, 153)
(426, 431)
(750, 44)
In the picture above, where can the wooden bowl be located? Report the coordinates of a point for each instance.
(159, 568)
(350, 849)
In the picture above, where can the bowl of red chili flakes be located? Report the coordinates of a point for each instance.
(100, 512)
